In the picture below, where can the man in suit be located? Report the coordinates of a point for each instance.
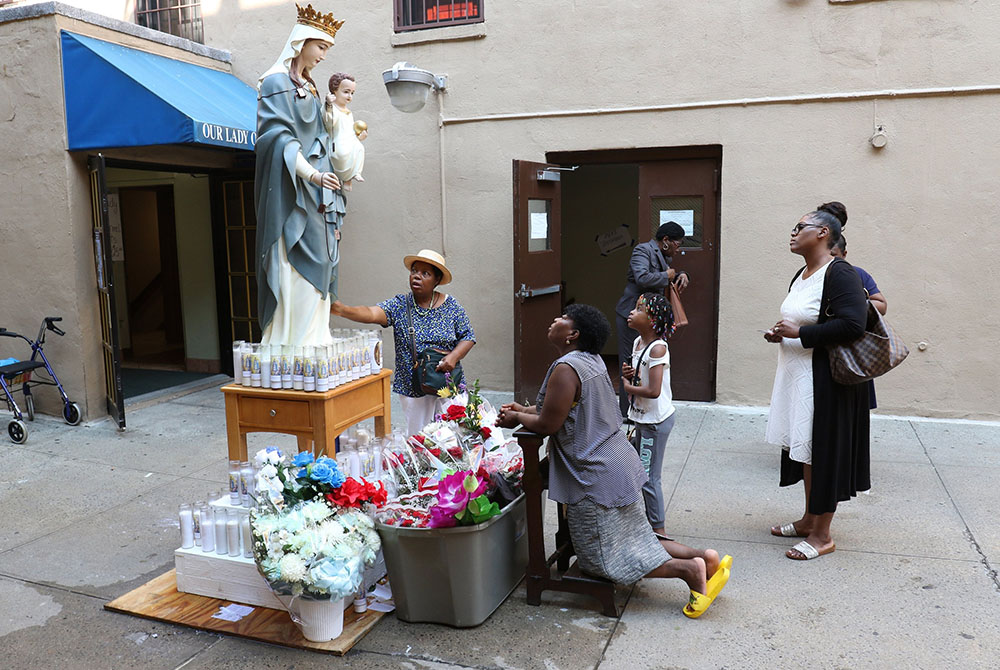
(648, 270)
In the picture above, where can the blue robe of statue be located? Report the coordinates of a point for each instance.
(289, 121)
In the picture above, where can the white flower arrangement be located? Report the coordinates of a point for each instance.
(304, 544)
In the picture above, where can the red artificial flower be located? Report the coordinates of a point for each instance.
(454, 413)
(350, 494)
(435, 452)
(419, 438)
(376, 494)
(485, 432)
(406, 523)
(455, 451)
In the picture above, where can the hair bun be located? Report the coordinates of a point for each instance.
(836, 209)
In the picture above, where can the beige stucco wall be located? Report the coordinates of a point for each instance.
(917, 207)
(38, 237)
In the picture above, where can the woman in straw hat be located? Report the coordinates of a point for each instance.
(439, 322)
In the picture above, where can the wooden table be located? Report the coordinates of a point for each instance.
(316, 419)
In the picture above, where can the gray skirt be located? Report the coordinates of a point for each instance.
(615, 543)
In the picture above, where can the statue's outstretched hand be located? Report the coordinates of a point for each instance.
(336, 308)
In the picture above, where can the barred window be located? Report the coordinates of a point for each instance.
(177, 17)
(420, 14)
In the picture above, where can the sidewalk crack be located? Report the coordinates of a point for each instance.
(991, 572)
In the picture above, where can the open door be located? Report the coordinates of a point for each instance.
(687, 192)
(105, 290)
(537, 272)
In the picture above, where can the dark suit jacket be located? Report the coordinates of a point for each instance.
(647, 271)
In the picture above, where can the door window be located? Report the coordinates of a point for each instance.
(538, 225)
(685, 210)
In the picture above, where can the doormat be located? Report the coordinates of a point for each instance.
(160, 600)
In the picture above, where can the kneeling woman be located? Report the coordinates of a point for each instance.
(597, 473)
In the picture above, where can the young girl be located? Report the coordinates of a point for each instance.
(647, 380)
(347, 154)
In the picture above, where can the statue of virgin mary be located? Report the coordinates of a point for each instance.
(299, 204)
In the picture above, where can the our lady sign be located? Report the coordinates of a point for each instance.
(239, 138)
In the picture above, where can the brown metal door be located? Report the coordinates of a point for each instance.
(537, 272)
(686, 191)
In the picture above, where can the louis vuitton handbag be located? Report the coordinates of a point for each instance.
(873, 354)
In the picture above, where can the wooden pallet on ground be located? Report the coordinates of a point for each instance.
(160, 600)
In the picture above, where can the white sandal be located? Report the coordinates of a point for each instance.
(810, 552)
(788, 530)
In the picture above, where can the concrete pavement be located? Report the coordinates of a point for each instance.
(90, 513)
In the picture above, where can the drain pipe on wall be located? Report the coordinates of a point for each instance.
(444, 203)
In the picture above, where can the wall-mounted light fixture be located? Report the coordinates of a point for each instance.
(408, 86)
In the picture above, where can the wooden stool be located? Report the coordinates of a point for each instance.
(539, 575)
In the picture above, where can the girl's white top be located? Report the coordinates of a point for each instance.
(651, 410)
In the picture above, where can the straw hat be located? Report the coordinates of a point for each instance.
(431, 257)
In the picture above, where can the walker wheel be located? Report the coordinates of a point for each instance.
(71, 414)
(29, 401)
(17, 431)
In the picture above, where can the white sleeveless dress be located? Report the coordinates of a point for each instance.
(790, 421)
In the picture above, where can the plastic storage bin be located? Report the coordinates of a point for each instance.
(456, 576)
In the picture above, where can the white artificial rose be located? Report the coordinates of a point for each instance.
(260, 458)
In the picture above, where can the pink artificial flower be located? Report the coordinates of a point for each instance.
(453, 496)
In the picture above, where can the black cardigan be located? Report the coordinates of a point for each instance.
(840, 449)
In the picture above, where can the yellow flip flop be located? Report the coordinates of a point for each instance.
(720, 577)
(698, 603)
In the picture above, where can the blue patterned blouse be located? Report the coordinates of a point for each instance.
(441, 328)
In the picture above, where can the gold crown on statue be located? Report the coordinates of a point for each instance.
(325, 22)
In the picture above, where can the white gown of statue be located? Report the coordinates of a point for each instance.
(348, 155)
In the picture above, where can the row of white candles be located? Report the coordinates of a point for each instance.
(215, 528)
(354, 353)
(226, 531)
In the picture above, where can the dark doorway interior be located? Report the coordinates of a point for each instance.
(614, 199)
(155, 334)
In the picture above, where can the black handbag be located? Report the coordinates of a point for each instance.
(427, 379)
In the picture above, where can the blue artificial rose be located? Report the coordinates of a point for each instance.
(335, 577)
(337, 479)
(327, 460)
(321, 472)
(303, 458)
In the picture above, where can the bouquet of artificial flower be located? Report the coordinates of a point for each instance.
(310, 537)
(473, 416)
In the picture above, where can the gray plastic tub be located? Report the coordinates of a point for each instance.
(456, 576)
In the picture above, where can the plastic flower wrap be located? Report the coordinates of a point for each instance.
(310, 539)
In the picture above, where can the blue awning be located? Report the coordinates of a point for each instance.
(122, 97)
